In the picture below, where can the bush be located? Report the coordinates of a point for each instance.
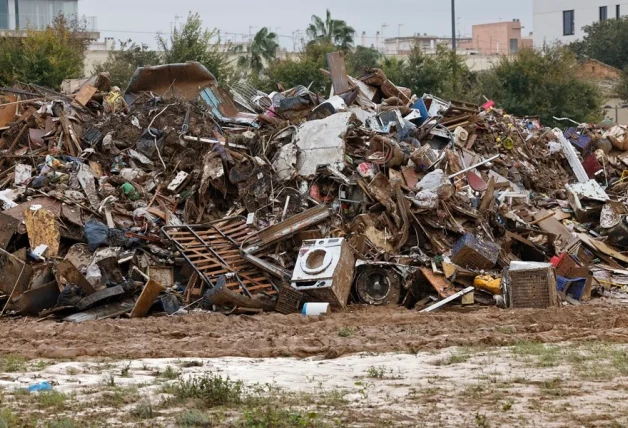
(44, 57)
(212, 389)
(123, 62)
(543, 83)
(304, 71)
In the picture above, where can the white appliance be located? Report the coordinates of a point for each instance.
(324, 270)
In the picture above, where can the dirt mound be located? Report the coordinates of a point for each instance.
(274, 335)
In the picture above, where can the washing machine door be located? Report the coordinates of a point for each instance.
(316, 261)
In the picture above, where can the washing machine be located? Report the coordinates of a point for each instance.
(324, 270)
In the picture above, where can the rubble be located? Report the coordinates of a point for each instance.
(179, 194)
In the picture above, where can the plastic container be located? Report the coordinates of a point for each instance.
(315, 309)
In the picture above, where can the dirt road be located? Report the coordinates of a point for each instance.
(274, 335)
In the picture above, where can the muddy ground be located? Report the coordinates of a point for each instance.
(357, 329)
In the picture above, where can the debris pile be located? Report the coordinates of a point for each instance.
(181, 194)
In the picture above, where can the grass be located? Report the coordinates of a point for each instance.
(194, 418)
(170, 373)
(7, 419)
(552, 388)
(272, 416)
(143, 410)
(119, 397)
(345, 332)
(125, 370)
(12, 364)
(540, 354)
(51, 399)
(64, 423)
(460, 356)
(212, 389)
(376, 372)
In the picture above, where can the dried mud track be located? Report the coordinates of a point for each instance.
(274, 335)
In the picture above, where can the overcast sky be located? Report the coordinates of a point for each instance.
(141, 20)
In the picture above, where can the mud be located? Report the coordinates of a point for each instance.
(366, 329)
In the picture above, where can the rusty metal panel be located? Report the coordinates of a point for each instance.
(171, 80)
(213, 250)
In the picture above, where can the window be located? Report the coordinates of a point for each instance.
(618, 11)
(514, 46)
(569, 25)
(603, 13)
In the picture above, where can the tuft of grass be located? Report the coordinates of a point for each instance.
(51, 399)
(212, 389)
(507, 406)
(481, 421)
(460, 356)
(120, 397)
(64, 423)
(109, 380)
(170, 373)
(143, 410)
(546, 355)
(125, 370)
(12, 364)
(271, 416)
(552, 388)
(376, 372)
(7, 419)
(194, 418)
(345, 332)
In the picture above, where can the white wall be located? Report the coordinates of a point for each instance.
(548, 18)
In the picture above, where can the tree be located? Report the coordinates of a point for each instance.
(44, 57)
(360, 58)
(122, 63)
(424, 73)
(605, 41)
(331, 31)
(543, 83)
(193, 43)
(263, 48)
(304, 71)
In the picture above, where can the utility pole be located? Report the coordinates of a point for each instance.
(453, 25)
(454, 59)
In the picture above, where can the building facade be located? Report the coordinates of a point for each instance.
(562, 21)
(499, 38)
(427, 43)
(38, 14)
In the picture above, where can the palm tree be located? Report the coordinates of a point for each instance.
(332, 31)
(263, 47)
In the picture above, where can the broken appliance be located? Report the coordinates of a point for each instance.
(324, 270)
(378, 284)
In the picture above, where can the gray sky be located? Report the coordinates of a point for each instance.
(140, 20)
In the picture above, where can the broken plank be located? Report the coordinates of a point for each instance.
(449, 299)
(147, 298)
(74, 276)
(444, 288)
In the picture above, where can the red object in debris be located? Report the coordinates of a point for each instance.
(591, 165)
(488, 105)
(555, 261)
(315, 193)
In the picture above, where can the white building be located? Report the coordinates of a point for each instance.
(563, 20)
